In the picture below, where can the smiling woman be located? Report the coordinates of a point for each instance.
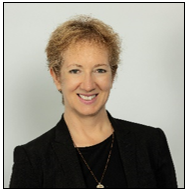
(85, 85)
(89, 148)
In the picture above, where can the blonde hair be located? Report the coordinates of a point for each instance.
(82, 28)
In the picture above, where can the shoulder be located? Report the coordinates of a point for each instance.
(138, 131)
(146, 139)
(42, 141)
(37, 147)
(40, 146)
(135, 127)
(141, 132)
(43, 145)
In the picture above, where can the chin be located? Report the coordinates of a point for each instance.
(90, 111)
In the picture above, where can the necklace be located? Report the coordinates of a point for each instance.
(99, 185)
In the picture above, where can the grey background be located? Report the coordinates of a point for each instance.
(148, 89)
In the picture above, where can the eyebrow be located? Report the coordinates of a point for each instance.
(80, 66)
(99, 65)
(77, 65)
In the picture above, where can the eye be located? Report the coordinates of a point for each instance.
(74, 71)
(101, 71)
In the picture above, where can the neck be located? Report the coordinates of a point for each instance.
(88, 130)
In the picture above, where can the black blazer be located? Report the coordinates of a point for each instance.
(50, 161)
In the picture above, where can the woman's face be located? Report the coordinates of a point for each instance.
(86, 78)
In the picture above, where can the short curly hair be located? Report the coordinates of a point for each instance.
(82, 28)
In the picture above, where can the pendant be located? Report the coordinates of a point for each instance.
(100, 186)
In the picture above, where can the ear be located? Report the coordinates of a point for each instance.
(56, 79)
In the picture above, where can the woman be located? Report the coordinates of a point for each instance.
(89, 148)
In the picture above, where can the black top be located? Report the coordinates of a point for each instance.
(96, 157)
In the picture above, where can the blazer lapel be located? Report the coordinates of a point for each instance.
(127, 151)
(65, 151)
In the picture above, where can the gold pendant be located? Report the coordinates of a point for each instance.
(100, 186)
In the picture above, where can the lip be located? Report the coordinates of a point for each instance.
(88, 102)
(87, 94)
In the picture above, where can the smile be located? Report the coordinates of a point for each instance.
(87, 98)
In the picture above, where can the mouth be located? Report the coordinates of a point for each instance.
(87, 97)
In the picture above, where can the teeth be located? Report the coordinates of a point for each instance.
(87, 98)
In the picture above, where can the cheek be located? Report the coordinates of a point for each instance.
(69, 84)
(105, 83)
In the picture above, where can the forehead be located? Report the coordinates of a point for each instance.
(86, 53)
(85, 47)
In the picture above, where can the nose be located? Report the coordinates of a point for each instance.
(88, 83)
